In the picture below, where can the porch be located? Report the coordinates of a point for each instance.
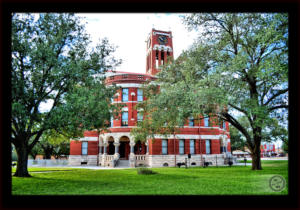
(121, 151)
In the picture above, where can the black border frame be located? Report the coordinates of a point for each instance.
(289, 201)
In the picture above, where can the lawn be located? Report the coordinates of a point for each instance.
(236, 180)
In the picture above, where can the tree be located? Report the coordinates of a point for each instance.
(285, 146)
(54, 143)
(239, 65)
(236, 139)
(35, 151)
(53, 63)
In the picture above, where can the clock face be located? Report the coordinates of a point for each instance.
(162, 39)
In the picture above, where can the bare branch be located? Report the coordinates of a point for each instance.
(239, 109)
(278, 107)
(280, 92)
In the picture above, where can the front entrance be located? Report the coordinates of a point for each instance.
(124, 148)
(111, 148)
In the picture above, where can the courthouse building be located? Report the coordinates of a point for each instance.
(205, 140)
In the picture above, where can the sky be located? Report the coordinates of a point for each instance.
(129, 31)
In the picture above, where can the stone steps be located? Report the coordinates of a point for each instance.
(123, 164)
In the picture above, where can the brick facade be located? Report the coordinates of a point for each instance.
(132, 82)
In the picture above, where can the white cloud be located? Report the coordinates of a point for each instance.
(129, 32)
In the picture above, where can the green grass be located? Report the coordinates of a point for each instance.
(236, 180)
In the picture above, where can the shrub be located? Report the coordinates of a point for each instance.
(145, 171)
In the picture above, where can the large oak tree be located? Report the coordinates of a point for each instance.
(238, 65)
(53, 63)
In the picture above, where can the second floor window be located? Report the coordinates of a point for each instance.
(111, 121)
(139, 95)
(164, 144)
(84, 148)
(206, 121)
(224, 125)
(124, 118)
(125, 94)
(191, 121)
(139, 116)
(192, 146)
(181, 146)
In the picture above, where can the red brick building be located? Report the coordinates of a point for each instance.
(267, 150)
(204, 139)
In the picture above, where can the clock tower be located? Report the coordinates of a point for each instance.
(159, 50)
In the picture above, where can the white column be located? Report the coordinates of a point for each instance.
(104, 153)
(131, 155)
(117, 144)
(147, 147)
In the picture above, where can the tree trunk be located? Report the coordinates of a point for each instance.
(256, 162)
(22, 170)
(48, 151)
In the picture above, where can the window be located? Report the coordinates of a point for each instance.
(84, 148)
(124, 118)
(207, 144)
(162, 57)
(139, 116)
(181, 146)
(140, 77)
(111, 121)
(156, 59)
(192, 146)
(140, 95)
(224, 125)
(125, 94)
(206, 121)
(191, 121)
(125, 76)
(164, 144)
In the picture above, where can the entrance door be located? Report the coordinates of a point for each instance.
(111, 148)
(124, 150)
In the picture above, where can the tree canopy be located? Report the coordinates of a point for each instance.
(238, 65)
(53, 63)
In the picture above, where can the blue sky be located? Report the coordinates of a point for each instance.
(128, 31)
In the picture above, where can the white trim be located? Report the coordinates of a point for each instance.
(116, 102)
(89, 139)
(187, 136)
(122, 127)
(125, 109)
(132, 93)
(162, 47)
(161, 33)
(125, 85)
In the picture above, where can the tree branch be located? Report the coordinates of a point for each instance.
(239, 109)
(278, 107)
(36, 139)
(238, 126)
(277, 94)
